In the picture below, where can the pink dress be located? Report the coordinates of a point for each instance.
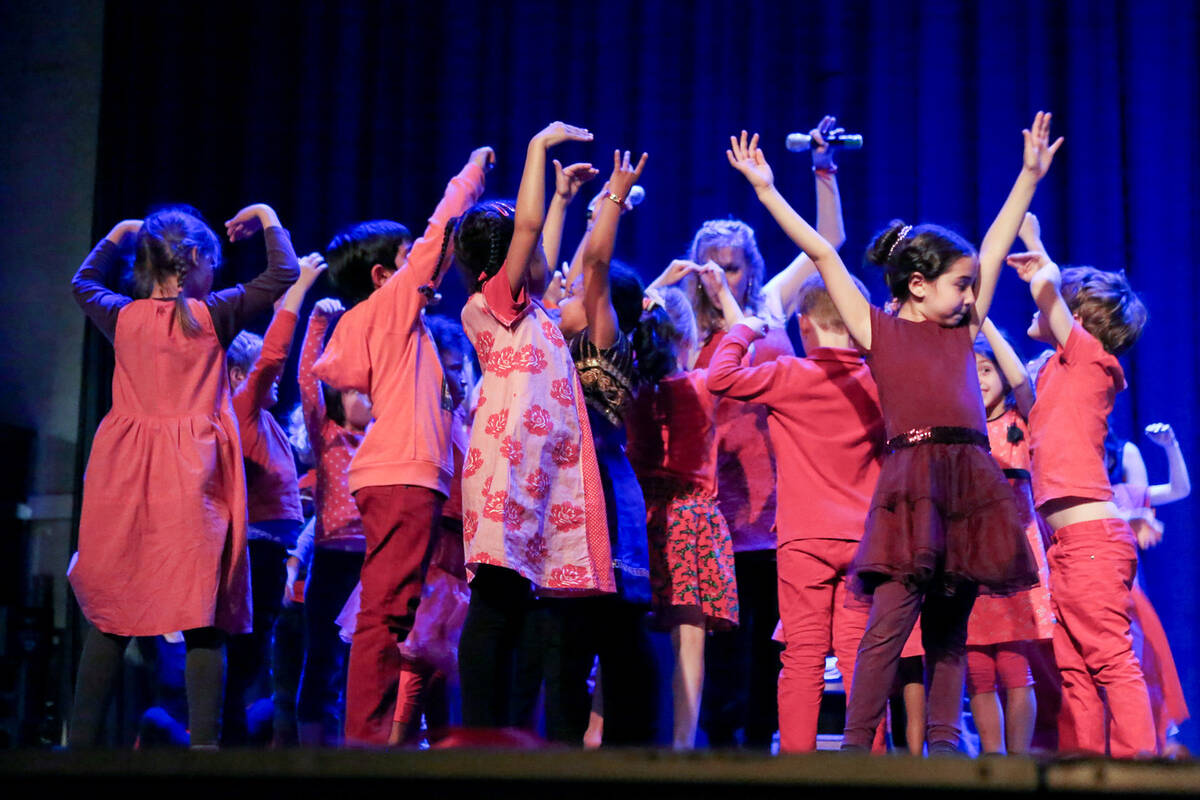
(532, 500)
(1025, 615)
(162, 531)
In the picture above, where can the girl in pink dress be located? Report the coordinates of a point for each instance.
(1003, 632)
(942, 520)
(532, 503)
(162, 531)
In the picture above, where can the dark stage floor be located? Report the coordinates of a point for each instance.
(490, 774)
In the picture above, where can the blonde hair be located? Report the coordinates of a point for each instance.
(724, 233)
(813, 301)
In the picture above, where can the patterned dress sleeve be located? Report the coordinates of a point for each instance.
(232, 308)
(99, 303)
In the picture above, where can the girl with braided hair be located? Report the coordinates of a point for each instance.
(162, 531)
(533, 504)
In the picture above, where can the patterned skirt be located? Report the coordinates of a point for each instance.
(691, 552)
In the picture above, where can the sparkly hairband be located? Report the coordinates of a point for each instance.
(903, 233)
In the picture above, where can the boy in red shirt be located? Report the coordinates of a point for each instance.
(1089, 317)
(828, 436)
(401, 474)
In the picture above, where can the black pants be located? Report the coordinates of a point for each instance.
(249, 653)
(501, 601)
(742, 666)
(331, 579)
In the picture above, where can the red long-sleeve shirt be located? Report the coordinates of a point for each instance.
(826, 428)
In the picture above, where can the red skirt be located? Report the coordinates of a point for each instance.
(944, 515)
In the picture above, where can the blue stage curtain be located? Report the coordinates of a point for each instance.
(337, 112)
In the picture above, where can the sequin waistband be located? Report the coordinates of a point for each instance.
(938, 435)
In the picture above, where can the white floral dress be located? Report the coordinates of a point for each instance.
(531, 492)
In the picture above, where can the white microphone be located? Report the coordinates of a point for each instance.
(799, 142)
(636, 195)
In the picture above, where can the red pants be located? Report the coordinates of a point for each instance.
(1092, 565)
(399, 523)
(812, 610)
(992, 667)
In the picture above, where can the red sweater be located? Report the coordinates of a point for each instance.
(271, 487)
(672, 431)
(826, 428)
(381, 347)
(1067, 425)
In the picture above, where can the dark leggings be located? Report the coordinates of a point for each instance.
(249, 653)
(500, 601)
(100, 664)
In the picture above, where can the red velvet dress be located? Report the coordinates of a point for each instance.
(942, 514)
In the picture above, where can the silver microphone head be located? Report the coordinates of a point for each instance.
(636, 195)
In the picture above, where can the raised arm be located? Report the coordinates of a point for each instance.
(1031, 233)
(91, 282)
(854, 309)
(461, 193)
(1179, 485)
(603, 328)
(312, 401)
(1011, 367)
(232, 308)
(728, 376)
(998, 241)
(1045, 283)
(531, 200)
(567, 181)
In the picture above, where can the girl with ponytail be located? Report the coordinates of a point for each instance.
(162, 531)
(943, 520)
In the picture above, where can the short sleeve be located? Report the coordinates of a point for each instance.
(497, 296)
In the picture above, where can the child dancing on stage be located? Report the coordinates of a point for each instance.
(401, 474)
(1003, 633)
(162, 531)
(942, 519)
(1089, 317)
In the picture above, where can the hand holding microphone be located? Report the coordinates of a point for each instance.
(822, 140)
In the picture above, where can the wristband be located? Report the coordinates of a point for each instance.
(620, 202)
(830, 170)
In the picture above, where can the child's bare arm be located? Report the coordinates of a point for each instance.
(603, 328)
(531, 200)
(1045, 282)
(567, 181)
(1011, 366)
(716, 286)
(1031, 233)
(1038, 154)
(854, 309)
(1178, 485)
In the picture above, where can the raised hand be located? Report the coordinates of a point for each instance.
(1035, 267)
(126, 227)
(1038, 150)
(483, 157)
(568, 180)
(249, 221)
(559, 132)
(329, 308)
(311, 267)
(676, 271)
(1030, 230)
(555, 291)
(712, 278)
(624, 176)
(822, 153)
(748, 159)
(1161, 434)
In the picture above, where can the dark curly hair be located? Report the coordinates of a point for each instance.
(1107, 306)
(927, 250)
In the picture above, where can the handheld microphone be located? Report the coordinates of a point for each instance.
(799, 142)
(636, 195)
